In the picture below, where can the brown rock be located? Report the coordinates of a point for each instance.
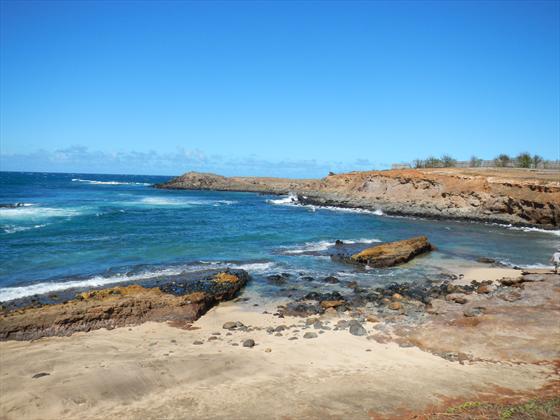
(484, 289)
(326, 304)
(395, 306)
(114, 307)
(457, 298)
(397, 296)
(393, 253)
(372, 318)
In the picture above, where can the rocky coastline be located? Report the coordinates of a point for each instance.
(178, 301)
(509, 196)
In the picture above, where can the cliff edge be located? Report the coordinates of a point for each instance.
(512, 196)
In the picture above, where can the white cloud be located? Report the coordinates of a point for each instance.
(81, 159)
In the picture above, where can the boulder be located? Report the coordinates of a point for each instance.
(393, 253)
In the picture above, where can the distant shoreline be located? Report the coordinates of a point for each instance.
(508, 196)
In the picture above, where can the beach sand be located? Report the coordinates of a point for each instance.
(154, 371)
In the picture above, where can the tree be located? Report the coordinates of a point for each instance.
(432, 162)
(448, 162)
(502, 160)
(523, 160)
(418, 163)
(475, 162)
(537, 160)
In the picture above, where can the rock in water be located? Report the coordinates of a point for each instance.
(119, 306)
(393, 253)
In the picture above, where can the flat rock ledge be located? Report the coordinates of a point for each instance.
(392, 253)
(119, 306)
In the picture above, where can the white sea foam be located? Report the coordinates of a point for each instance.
(324, 245)
(178, 202)
(15, 229)
(10, 293)
(37, 212)
(533, 229)
(292, 200)
(95, 182)
(527, 266)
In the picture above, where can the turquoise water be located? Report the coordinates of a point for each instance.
(91, 230)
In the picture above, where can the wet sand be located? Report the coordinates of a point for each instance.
(155, 371)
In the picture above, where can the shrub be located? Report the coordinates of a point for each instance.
(523, 160)
(502, 160)
(448, 162)
(475, 162)
(432, 162)
(537, 160)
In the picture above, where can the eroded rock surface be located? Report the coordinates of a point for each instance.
(518, 196)
(393, 253)
(120, 306)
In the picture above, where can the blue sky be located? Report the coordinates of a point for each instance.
(274, 88)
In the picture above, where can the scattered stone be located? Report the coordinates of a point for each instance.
(310, 335)
(212, 338)
(280, 328)
(357, 329)
(198, 342)
(474, 311)
(331, 280)
(326, 304)
(278, 334)
(232, 325)
(395, 306)
(372, 318)
(457, 298)
(484, 289)
(40, 375)
(486, 260)
(249, 343)
(268, 350)
(510, 297)
(277, 279)
(397, 296)
(292, 338)
(510, 281)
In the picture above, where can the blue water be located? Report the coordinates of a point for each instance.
(91, 230)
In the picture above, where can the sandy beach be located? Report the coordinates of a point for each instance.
(155, 370)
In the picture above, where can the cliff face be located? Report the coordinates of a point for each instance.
(516, 196)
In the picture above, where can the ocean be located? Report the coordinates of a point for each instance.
(89, 230)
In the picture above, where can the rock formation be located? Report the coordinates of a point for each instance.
(119, 306)
(393, 253)
(516, 196)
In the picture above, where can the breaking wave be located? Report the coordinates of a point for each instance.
(15, 229)
(293, 200)
(11, 293)
(167, 201)
(323, 246)
(95, 182)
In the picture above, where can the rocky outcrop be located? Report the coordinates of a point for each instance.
(119, 306)
(393, 253)
(516, 196)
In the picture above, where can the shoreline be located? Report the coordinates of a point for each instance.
(505, 196)
(402, 365)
